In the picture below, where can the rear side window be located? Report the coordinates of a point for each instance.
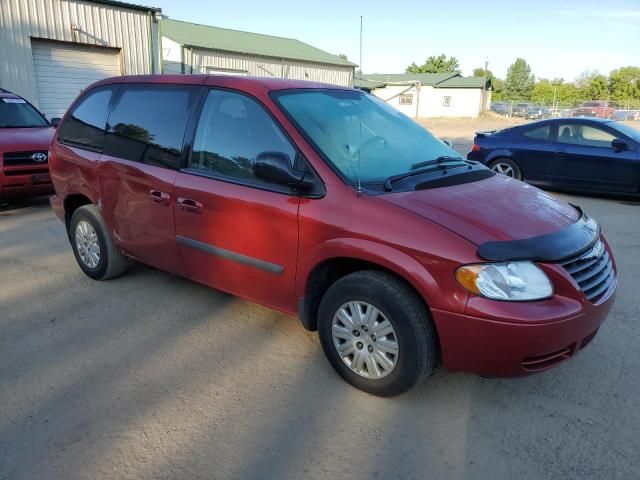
(540, 133)
(85, 126)
(148, 122)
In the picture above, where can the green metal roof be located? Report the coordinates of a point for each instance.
(364, 84)
(436, 80)
(215, 38)
(423, 78)
(463, 82)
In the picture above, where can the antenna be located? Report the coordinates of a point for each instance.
(361, 71)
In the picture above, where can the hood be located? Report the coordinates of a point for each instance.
(25, 139)
(497, 208)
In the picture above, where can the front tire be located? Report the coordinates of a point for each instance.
(507, 167)
(376, 333)
(93, 246)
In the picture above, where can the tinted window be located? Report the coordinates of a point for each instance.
(17, 113)
(232, 131)
(585, 135)
(540, 133)
(148, 122)
(85, 126)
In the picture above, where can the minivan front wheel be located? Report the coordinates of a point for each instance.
(92, 245)
(376, 333)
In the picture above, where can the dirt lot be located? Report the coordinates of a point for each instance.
(153, 376)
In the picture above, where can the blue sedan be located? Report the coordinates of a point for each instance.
(575, 154)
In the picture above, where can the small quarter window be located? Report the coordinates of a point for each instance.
(85, 125)
(540, 133)
(406, 99)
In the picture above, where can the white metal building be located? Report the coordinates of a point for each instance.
(431, 94)
(52, 49)
(193, 48)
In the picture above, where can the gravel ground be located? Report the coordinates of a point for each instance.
(152, 376)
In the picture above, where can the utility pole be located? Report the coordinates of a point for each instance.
(361, 71)
(484, 85)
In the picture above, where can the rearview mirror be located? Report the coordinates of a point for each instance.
(619, 145)
(55, 121)
(275, 167)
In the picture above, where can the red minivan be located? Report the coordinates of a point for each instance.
(325, 202)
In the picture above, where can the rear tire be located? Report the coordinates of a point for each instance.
(93, 246)
(507, 167)
(397, 317)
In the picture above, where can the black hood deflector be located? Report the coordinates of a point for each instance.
(552, 247)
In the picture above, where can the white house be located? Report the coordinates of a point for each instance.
(193, 48)
(430, 94)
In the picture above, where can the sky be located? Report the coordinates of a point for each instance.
(559, 39)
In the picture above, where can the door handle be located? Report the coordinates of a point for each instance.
(160, 197)
(189, 205)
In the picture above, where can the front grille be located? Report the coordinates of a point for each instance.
(592, 271)
(24, 158)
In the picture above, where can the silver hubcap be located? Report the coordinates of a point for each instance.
(365, 339)
(87, 244)
(504, 169)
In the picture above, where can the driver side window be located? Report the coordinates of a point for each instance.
(233, 129)
(584, 135)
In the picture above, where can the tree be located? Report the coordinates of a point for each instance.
(343, 56)
(479, 72)
(439, 64)
(624, 84)
(592, 86)
(542, 91)
(519, 82)
(497, 92)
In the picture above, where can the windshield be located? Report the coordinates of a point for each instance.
(17, 113)
(627, 130)
(362, 136)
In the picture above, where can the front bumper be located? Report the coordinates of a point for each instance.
(31, 183)
(545, 334)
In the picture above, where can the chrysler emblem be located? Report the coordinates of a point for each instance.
(39, 157)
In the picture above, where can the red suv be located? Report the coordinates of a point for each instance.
(25, 135)
(325, 202)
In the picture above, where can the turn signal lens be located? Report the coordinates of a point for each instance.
(513, 281)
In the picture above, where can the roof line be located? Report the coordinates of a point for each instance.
(131, 6)
(231, 30)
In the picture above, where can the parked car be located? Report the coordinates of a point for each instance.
(536, 113)
(597, 109)
(501, 108)
(326, 202)
(25, 135)
(576, 154)
(521, 109)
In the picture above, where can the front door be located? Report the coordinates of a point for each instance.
(236, 232)
(139, 165)
(585, 159)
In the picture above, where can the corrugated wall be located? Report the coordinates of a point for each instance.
(102, 25)
(268, 67)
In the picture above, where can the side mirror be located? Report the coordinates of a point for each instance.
(619, 145)
(275, 167)
(55, 121)
(447, 143)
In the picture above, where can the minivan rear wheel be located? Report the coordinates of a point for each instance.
(93, 246)
(376, 333)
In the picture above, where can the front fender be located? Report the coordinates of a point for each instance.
(447, 294)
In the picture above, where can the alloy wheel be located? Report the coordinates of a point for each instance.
(504, 169)
(365, 339)
(87, 244)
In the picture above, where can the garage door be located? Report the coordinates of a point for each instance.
(64, 70)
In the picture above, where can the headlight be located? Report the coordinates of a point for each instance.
(513, 281)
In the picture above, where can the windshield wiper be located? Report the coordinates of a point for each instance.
(440, 163)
